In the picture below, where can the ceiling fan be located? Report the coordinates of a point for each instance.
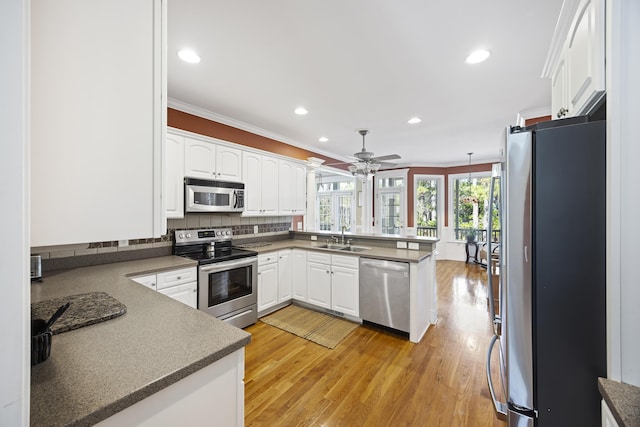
(365, 163)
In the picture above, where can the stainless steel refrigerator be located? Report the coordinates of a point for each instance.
(550, 329)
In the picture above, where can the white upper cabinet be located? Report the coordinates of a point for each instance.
(576, 61)
(228, 164)
(98, 114)
(260, 178)
(208, 160)
(174, 176)
(292, 188)
(586, 57)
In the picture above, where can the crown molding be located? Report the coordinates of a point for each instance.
(567, 13)
(225, 120)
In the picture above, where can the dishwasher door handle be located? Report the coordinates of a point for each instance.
(383, 267)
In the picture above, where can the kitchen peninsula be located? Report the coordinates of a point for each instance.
(154, 362)
(307, 258)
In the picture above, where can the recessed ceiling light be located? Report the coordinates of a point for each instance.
(477, 56)
(323, 139)
(414, 120)
(301, 111)
(189, 56)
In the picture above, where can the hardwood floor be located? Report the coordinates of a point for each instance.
(375, 378)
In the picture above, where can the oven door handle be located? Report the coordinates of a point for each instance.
(226, 265)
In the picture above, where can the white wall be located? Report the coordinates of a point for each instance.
(14, 215)
(623, 202)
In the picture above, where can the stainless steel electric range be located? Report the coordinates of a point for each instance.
(227, 276)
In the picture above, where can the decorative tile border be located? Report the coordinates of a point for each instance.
(241, 227)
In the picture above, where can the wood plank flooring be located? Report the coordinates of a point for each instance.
(375, 378)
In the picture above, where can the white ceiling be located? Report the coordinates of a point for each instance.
(366, 64)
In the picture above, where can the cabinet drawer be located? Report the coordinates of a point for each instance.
(319, 257)
(149, 280)
(345, 261)
(177, 277)
(267, 258)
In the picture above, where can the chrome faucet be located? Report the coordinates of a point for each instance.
(342, 240)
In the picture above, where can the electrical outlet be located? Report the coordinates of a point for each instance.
(414, 246)
(123, 243)
(255, 229)
(314, 237)
(401, 245)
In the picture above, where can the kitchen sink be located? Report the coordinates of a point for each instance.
(332, 246)
(354, 249)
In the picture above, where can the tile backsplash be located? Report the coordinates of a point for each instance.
(243, 228)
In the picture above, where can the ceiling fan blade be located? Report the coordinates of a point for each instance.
(387, 157)
(387, 165)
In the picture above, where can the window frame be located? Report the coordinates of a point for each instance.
(335, 194)
(450, 205)
(394, 173)
(440, 211)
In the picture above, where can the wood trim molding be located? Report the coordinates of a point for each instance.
(192, 123)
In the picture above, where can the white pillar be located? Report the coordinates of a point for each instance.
(313, 163)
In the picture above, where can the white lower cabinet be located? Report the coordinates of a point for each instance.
(345, 289)
(285, 275)
(267, 280)
(181, 285)
(318, 282)
(333, 282)
(299, 274)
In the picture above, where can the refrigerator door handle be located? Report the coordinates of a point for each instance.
(501, 407)
(526, 257)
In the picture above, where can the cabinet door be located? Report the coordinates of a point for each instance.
(299, 192)
(285, 275)
(199, 159)
(87, 113)
(559, 102)
(299, 274)
(267, 286)
(186, 294)
(319, 284)
(345, 291)
(269, 186)
(174, 177)
(585, 56)
(252, 177)
(228, 164)
(285, 188)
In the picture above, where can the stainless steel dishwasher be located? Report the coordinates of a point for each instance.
(384, 293)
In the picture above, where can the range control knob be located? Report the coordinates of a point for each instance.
(188, 235)
(228, 233)
(180, 236)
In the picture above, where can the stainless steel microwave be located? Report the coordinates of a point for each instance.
(201, 195)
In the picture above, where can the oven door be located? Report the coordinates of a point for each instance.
(228, 286)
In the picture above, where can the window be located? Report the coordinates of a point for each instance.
(427, 204)
(335, 203)
(390, 205)
(470, 205)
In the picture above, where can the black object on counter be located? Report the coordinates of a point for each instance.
(41, 336)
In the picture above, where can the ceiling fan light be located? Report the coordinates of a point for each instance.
(373, 167)
(353, 169)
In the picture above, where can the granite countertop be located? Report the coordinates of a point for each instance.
(98, 370)
(623, 400)
(402, 255)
